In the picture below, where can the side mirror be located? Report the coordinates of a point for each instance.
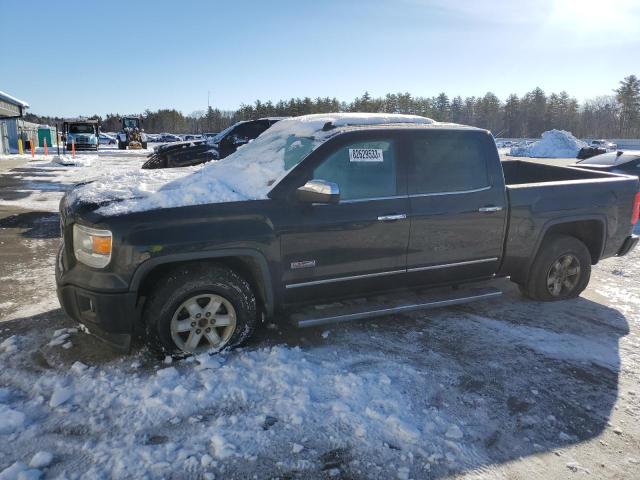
(318, 191)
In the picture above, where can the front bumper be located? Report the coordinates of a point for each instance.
(83, 146)
(629, 244)
(110, 316)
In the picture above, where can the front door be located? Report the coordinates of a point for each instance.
(358, 243)
(457, 206)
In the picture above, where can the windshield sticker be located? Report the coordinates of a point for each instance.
(365, 155)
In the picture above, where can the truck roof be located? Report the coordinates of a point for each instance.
(407, 126)
(80, 120)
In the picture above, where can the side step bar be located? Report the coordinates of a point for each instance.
(377, 310)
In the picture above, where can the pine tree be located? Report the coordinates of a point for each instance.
(628, 96)
(512, 118)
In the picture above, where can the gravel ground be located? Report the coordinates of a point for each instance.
(503, 389)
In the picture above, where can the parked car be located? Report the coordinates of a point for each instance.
(627, 163)
(209, 135)
(106, 139)
(356, 210)
(169, 138)
(606, 144)
(197, 151)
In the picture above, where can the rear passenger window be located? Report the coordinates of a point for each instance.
(447, 162)
(362, 170)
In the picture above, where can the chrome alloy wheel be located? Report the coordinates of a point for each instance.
(203, 322)
(563, 276)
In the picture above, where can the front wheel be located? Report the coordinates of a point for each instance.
(195, 309)
(560, 271)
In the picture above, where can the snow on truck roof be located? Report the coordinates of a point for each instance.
(248, 174)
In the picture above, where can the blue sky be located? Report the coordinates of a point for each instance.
(84, 57)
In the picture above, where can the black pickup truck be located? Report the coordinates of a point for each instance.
(369, 209)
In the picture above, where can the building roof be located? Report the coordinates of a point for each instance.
(8, 98)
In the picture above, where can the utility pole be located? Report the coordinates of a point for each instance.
(208, 110)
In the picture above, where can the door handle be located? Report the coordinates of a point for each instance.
(392, 218)
(490, 209)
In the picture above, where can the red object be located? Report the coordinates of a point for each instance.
(73, 149)
(636, 209)
(33, 148)
(46, 150)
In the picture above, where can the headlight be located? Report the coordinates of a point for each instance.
(91, 246)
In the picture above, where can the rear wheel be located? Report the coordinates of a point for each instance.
(196, 309)
(144, 145)
(122, 145)
(560, 271)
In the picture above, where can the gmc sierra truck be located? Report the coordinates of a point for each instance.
(364, 207)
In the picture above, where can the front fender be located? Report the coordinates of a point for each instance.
(267, 286)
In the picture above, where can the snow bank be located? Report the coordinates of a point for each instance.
(553, 144)
(78, 161)
(248, 174)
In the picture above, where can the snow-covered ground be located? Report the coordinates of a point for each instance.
(502, 389)
(41, 183)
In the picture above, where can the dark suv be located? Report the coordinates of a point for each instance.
(332, 207)
(195, 152)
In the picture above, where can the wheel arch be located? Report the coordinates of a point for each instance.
(590, 230)
(249, 263)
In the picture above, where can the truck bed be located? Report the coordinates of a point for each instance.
(519, 172)
(540, 196)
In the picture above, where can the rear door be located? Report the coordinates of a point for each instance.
(360, 242)
(457, 205)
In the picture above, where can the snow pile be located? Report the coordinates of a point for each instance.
(248, 174)
(78, 161)
(553, 144)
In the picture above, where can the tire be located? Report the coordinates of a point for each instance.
(122, 145)
(154, 162)
(561, 270)
(170, 327)
(144, 145)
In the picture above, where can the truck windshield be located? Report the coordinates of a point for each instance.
(82, 128)
(130, 122)
(223, 133)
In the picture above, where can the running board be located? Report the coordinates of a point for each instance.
(344, 312)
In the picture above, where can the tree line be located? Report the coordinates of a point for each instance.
(610, 116)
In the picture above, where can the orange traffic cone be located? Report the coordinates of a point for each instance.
(33, 148)
(73, 149)
(46, 150)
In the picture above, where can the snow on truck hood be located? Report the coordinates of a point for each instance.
(248, 174)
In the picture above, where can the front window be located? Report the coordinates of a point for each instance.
(130, 122)
(362, 170)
